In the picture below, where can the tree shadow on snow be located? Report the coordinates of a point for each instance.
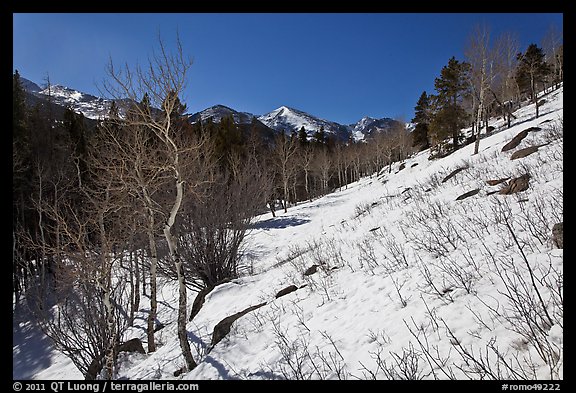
(224, 373)
(32, 349)
(279, 223)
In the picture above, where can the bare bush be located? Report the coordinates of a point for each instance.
(299, 362)
(432, 228)
(407, 365)
(212, 229)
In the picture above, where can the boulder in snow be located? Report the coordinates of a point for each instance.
(558, 235)
(524, 152)
(286, 291)
(133, 345)
(468, 194)
(516, 185)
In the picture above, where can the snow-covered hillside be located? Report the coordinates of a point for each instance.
(412, 281)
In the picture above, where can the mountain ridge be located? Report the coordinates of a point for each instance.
(283, 119)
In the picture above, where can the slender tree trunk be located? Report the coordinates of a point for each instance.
(137, 280)
(132, 289)
(285, 195)
(153, 300)
(173, 247)
(478, 122)
(153, 265)
(104, 281)
(110, 361)
(339, 177)
(306, 184)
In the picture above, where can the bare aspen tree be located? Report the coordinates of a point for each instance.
(552, 45)
(305, 159)
(481, 57)
(163, 80)
(86, 322)
(322, 166)
(507, 93)
(143, 177)
(285, 163)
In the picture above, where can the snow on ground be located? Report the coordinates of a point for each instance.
(407, 276)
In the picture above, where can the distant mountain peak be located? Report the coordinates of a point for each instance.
(90, 106)
(219, 111)
(288, 119)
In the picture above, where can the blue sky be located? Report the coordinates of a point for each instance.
(337, 66)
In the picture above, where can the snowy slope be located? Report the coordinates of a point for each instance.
(405, 271)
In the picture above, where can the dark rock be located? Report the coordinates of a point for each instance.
(453, 173)
(533, 129)
(490, 129)
(541, 102)
(491, 192)
(413, 165)
(311, 270)
(94, 369)
(159, 326)
(223, 327)
(515, 141)
(371, 230)
(428, 190)
(302, 286)
(201, 296)
(524, 152)
(286, 291)
(468, 194)
(406, 189)
(402, 166)
(199, 301)
(558, 235)
(178, 372)
(133, 345)
(516, 185)
(496, 182)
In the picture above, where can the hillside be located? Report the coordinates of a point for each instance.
(411, 280)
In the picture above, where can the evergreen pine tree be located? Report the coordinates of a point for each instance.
(452, 87)
(422, 114)
(320, 136)
(303, 136)
(19, 115)
(532, 70)
(74, 124)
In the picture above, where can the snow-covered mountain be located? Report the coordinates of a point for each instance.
(90, 106)
(288, 119)
(367, 125)
(217, 112)
(284, 119)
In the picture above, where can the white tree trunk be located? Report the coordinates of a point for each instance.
(182, 296)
